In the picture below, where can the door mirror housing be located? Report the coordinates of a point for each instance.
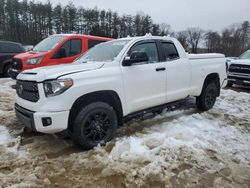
(61, 53)
(135, 57)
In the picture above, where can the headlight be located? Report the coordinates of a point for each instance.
(34, 61)
(56, 87)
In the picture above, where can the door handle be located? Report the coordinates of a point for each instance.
(160, 69)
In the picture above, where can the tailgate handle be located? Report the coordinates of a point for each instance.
(160, 69)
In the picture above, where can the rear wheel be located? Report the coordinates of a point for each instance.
(95, 124)
(207, 98)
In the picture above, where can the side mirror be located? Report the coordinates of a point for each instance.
(61, 53)
(135, 57)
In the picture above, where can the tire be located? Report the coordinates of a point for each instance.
(208, 96)
(229, 84)
(95, 124)
(6, 70)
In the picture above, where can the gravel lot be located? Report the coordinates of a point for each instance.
(181, 148)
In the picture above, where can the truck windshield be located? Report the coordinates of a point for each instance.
(106, 51)
(48, 44)
(245, 55)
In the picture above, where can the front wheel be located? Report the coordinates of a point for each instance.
(6, 70)
(95, 124)
(207, 98)
(229, 84)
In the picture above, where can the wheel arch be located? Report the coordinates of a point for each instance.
(215, 78)
(108, 96)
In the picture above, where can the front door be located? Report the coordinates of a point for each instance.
(72, 49)
(145, 82)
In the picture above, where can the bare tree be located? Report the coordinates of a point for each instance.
(194, 36)
(245, 35)
(182, 38)
(212, 41)
(165, 29)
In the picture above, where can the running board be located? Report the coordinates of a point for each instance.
(150, 112)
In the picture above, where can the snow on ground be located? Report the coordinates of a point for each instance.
(194, 132)
(183, 148)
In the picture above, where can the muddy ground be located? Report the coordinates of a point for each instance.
(181, 148)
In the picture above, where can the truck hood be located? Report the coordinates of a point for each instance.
(241, 61)
(53, 72)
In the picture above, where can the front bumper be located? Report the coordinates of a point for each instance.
(26, 117)
(239, 80)
(35, 120)
(13, 73)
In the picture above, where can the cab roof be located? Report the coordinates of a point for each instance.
(80, 35)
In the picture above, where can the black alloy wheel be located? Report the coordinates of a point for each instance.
(95, 124)
(208, 96)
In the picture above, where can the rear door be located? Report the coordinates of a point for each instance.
(145, 82)
(178, 72)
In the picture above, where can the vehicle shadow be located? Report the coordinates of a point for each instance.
(239, 88)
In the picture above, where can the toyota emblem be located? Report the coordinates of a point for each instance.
(20, 89)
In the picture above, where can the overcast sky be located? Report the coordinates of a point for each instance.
(180, 14)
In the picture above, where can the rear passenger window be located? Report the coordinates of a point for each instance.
(170, 52)
(92, 43)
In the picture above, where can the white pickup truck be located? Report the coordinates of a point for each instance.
(115, 80)
(239, 70)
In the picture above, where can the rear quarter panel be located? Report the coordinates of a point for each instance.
(201, 68)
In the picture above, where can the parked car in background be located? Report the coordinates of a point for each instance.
(113, 82)
(239, 70)
(54, 50)
(7, 51)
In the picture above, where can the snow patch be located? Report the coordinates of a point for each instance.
(5, 85)
(4, 135)
(194, 132)
(10, 143)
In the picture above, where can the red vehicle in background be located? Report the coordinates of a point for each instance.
(54, 50)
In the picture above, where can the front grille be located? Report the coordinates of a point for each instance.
(235, 68)
(17, 64)
(27, 90)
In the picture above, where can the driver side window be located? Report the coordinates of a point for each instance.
(70, 48)
(149, 48)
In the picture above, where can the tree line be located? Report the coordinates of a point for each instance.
(231, 41)
(28, 22)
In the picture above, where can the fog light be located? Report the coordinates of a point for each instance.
(47, 121)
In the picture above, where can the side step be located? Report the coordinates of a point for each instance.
(151, 112)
